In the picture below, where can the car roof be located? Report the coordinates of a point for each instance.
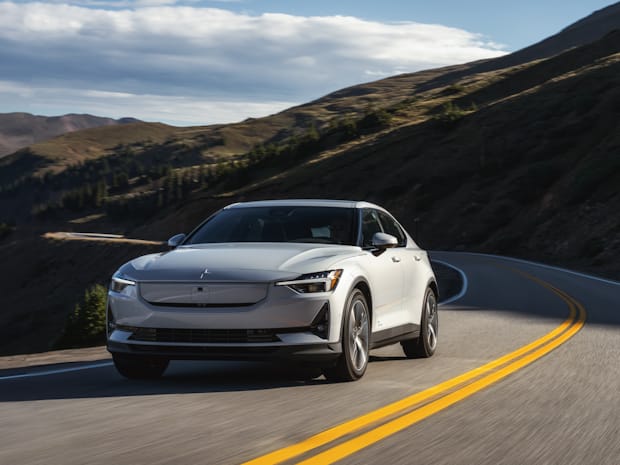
(305, 203)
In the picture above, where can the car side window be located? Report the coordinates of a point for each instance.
(390, 226)
(370, 226)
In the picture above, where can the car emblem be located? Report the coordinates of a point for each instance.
(206, 271)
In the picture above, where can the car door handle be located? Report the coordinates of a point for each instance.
(417, 258)
(396, 259)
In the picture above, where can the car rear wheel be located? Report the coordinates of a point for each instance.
(137, 367)
(355, 341)
(424, 346)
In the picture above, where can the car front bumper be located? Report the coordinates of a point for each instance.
(138, 327)
(311, 353)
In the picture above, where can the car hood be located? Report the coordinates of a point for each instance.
(256, 262)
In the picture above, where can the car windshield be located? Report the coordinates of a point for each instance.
(328, 225)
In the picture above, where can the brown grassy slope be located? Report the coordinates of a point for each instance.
(19, 130)
(56, 154)
(47, 277)
(211, 142)
(532, 173)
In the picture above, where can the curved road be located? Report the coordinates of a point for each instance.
(518, 379)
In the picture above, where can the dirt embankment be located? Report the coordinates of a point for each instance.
(43, 278)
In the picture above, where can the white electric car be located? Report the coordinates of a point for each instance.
(314, 281)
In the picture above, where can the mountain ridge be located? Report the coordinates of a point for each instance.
(20, 129)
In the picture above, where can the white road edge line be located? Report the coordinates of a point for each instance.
(463, 277)
(542, 265)
(54, 372)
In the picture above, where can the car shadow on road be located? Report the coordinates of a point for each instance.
(180, 378)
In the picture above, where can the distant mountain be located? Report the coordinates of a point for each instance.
(19, 130)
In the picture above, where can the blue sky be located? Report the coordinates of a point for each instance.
(515, 24)
(201, 62)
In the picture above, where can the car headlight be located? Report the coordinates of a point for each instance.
(323, 281)
(122, 285)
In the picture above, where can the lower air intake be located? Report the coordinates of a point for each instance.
(206, 336)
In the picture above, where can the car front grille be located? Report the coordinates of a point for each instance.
(206, 336)
(203, 294)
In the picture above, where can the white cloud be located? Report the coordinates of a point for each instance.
(118, 4)
(12, 89)
(186, 53)
(177, 110)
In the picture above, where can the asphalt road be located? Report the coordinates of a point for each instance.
(532, 407)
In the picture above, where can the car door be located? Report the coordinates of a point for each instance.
(385, 275)
(414, 284)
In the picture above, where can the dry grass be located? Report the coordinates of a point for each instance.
(89, 144)
(68, 236)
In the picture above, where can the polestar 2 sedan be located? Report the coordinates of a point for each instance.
(319, 282)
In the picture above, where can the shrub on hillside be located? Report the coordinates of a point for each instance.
(450, 113)
(347, 128)
(591, 176)
(5, 230)
(592, 247)
(374, 119)
(454, 89)
(85, 325)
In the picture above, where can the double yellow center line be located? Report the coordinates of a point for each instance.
(390, 419)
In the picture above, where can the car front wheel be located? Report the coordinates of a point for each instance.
(136, 367)
(355, 341)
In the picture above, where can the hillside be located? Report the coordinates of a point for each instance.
(47, 278)
(520, 159)
(18, 130)
(521, 162)
(210, 142)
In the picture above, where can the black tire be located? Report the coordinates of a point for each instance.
(425, 345)
(137, 367)
(356, 330)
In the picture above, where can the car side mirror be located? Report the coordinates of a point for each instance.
(174, 241)
(382, 241)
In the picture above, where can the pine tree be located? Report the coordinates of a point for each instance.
(85, 325)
